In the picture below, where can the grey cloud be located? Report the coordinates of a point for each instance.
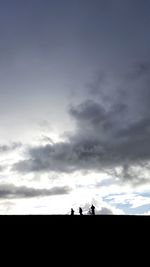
(57, 157)
(10, 191)
(106, 136)
(129, 174)
(9, 148)
(104, 211)
(88, 112)
(46, 139)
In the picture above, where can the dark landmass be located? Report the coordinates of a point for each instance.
(76, 240)
(66, 220)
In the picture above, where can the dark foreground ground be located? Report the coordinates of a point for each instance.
(76, 240)
(76, 227)
(66, 220)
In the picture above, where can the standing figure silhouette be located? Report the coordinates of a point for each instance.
(93, 210)
(72, 212)
(80, 211)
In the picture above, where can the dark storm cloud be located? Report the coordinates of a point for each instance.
(10, 191)
(106, 136)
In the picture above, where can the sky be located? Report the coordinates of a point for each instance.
(74, 106)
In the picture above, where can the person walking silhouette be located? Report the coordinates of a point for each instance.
(72, 212)
(80, 211)
(93, 210)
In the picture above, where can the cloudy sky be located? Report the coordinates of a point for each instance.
(74, 106)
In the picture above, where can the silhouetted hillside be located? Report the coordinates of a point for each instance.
(102, 238)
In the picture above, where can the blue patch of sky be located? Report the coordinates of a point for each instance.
(145, 194)
(140, 210)
(127, 208)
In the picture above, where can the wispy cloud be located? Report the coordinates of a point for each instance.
(11, 147)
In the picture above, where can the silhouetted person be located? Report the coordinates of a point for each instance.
(80, 211)
(72, 212)
(93, 210)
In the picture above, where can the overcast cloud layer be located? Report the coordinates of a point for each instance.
(106, 136)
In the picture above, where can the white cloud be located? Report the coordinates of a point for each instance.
(146, 213)
(133, 200)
